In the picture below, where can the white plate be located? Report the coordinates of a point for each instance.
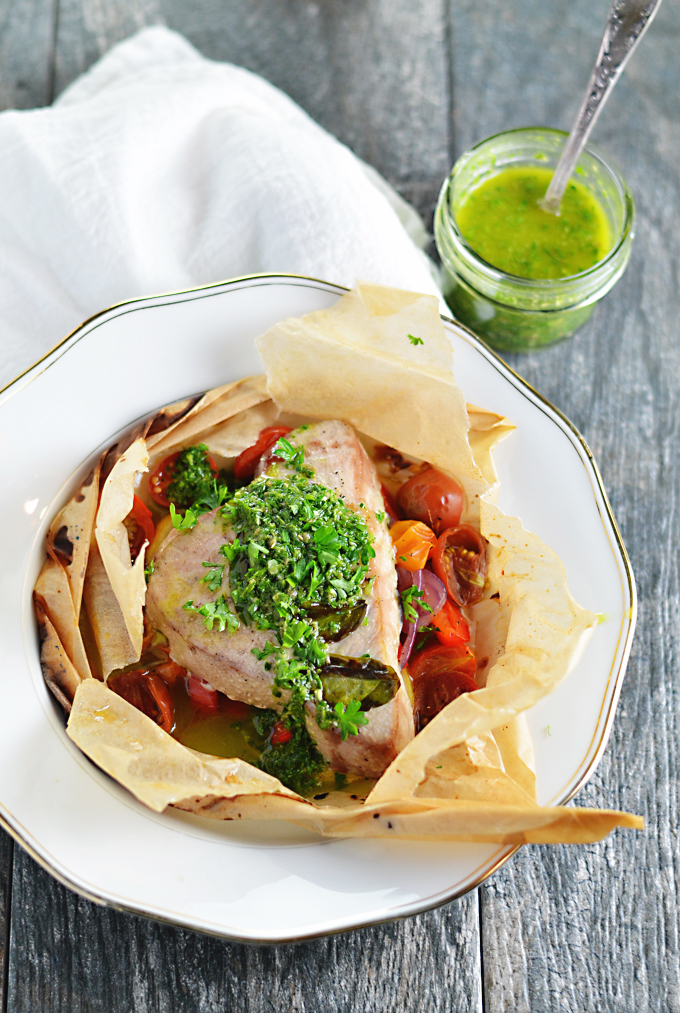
(259, 881)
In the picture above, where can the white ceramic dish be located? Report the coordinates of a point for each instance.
(262, 882)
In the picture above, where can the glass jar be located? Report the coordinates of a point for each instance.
(517, 314)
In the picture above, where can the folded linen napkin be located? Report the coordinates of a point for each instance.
(160, 170)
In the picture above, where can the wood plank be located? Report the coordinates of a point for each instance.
(596, 928)
(373, 72)
(26, 49)
(6, 857)
(70, 956)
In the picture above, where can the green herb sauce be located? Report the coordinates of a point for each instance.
(298, 566)
(501, 220)
(193, 482)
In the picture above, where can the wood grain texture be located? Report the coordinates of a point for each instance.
(596, 928)
(6, 857)
(26, 50)
(581, 929)
(376, 74)
(373, 72)
(69, 956)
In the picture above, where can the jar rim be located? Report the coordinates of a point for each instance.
(548, 285)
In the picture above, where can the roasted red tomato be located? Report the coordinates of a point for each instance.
(440, 674)
(433, 498)
(202, 695)
(160, 479)
(140, 526)
(170, 671)
(459, 559)
(280, 734)
(390, 506)
(246, 462)
(450, 625)
(146, 691)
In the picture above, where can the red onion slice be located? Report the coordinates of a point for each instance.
(433, 595)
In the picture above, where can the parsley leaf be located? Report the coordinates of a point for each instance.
(408, 596)
(183, 523)
(193, 479)
(349, 716)
(215, 577)
(215, 612)
(414, 340)
(294, 457)
(148, 570)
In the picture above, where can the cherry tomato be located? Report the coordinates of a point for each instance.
(170, 671)
(202, 695)
(160, 479)
(280, 734)
(164, 473)
(451, 626)
(247, 461)
(391, 508)
(140, 526)
(439, 675)
(432, 497)
(413, 542)
(459, 559)
(146, 691)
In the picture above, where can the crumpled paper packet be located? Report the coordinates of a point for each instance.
(468, 775)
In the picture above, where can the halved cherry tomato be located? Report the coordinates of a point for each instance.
(160, 479)
(170, 671)
(280, 734)
(450, 624)
(432, 497)
(388, 499)
(164, 473)
(202, 695)
(413, 542)
(140, 526)
(459, 559)
(247, 461)
(439, 675)
(146, 691)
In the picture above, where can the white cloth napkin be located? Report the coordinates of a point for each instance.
(160, 170)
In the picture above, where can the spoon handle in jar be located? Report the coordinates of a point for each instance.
(626, 24)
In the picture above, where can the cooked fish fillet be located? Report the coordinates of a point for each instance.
(226, 661)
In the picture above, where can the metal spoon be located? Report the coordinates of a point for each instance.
(626, 24)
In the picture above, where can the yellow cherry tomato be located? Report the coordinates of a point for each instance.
(413, 542)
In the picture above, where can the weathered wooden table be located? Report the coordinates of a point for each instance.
(409, 84)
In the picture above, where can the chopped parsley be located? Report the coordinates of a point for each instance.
(300, 555)
(408, 596)
(193, 480)
(215, 612)
(183, 523)
(215, 577)
(148, 570)
(297, 763)
(293, 456)
(414, 340)
(349, 717)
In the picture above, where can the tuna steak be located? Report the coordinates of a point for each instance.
(226, 661)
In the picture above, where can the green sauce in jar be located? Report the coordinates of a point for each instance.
(503, 222)
(519, 277)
